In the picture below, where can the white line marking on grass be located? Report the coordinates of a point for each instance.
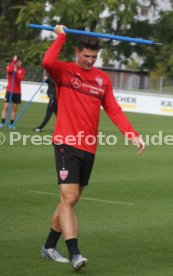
(43, 193)
(87, 198)
(107, 201)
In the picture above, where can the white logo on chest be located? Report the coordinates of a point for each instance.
(76, 83)
(99, 81)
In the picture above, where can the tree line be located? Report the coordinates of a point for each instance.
(118, 17)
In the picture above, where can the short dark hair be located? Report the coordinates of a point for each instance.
(19, 58)
(91, 43)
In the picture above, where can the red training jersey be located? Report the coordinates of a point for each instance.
(14, 85)
(80, 95)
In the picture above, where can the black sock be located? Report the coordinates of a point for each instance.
(52, 239)
(11, 122)
(3, 121)
(72, 245)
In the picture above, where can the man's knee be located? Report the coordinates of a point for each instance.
(14, 107)
(69, 199)
(5, 107)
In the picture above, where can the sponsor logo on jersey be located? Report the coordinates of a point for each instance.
(76, 83)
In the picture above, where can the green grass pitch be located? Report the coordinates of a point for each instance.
(125, 214)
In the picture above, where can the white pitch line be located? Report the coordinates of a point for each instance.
(87, 198)
(107, 201)
(43, 193)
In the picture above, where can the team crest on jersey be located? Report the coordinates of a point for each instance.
(63, 174)
(99, 81)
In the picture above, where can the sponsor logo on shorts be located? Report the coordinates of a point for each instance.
(63, 174)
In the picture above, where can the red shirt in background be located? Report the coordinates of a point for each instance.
(18, 77)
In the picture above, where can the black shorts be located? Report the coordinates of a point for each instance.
(73, 165)
(16, 98)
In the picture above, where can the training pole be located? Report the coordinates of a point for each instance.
(93, 34)
(27, 104)
(10, 100)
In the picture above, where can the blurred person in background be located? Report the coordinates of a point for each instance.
(15, 73)
(52, 105)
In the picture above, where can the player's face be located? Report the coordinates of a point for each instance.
(86, 58)
(19, 63)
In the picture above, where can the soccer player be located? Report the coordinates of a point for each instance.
(82, 90)
(16, 74)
